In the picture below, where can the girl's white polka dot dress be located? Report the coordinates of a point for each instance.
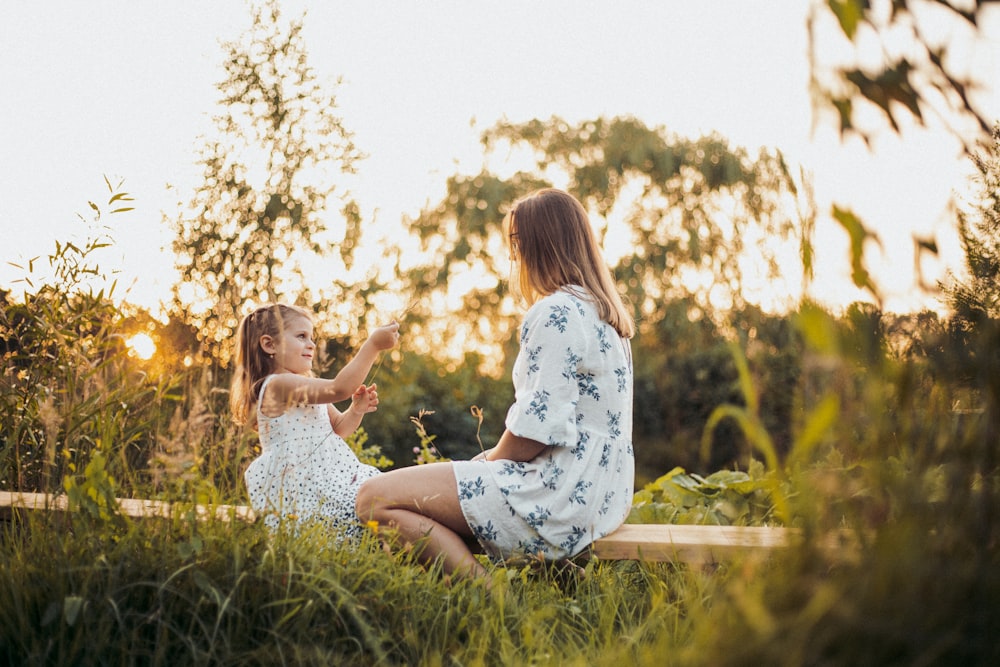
(305, 471)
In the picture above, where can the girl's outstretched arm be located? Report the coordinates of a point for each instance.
(354, 373)
(287, 389)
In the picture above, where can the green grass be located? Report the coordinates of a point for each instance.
(79, 591)
(901, 450)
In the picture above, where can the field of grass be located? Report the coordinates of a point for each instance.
(920, 587)
(82, 591)
(903, 452)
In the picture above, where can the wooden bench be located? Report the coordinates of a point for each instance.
(12, 502)
(689, 544)
(696, 545)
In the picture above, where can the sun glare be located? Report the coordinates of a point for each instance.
(141, 345)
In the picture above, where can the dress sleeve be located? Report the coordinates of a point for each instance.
(547, 372)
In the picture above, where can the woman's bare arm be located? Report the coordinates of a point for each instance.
(513, 447)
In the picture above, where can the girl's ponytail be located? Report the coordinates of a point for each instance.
(240, 393)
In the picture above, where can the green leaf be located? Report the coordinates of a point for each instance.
(858, 234)
(726, 478)
(822, 417)
(746, 382)
(203, 582)
(849, 14)
(817, 328)
(72, 606)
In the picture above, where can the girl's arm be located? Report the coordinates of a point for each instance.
(354, 373)
(287, 389)
(363, 401)
(513, 447)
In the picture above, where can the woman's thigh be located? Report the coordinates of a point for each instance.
(429, 490)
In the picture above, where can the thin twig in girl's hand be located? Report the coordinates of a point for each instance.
(398, 319)
(371, 378)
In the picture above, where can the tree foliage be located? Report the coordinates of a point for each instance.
(975, 297)
(463, 265)
(691, 209)
(261, 210)
(909, 80)
(686, 212)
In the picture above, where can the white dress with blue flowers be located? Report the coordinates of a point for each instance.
(573, 391)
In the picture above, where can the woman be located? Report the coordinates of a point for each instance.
(561, 475)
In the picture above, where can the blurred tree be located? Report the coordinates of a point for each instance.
(259, 214)
(975, 298)
(915, 335)
(463, 265)
(448, 389)
(901, 64)
(691, 210)
(682, 213)
(685, 370)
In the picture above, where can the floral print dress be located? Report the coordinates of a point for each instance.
(305, 471)
(573, 391)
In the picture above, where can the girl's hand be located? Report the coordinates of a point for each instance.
(385, 337)
(364, 400)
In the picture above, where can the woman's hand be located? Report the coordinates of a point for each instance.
(385, 337)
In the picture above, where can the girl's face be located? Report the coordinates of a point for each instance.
(294, 348)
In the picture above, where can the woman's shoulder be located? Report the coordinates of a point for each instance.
(570, 300)
(564, 309)
(570, 295)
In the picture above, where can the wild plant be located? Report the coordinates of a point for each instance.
(69, 388)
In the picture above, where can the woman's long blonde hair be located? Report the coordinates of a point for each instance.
(551, 240)
(252, 364)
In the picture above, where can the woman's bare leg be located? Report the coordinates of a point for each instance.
(421, 503)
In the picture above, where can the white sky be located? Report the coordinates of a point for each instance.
(124, 89)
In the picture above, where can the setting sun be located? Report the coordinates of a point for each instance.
(142, 346)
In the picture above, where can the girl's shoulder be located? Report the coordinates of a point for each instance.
(278, 391)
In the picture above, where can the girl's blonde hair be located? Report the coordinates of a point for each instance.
(252, 364)
(551, 240)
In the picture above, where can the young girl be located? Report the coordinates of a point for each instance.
(561, 474)
(306, 470)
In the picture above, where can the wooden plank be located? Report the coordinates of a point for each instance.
(689, 544)
(648, 542)
(11, 501)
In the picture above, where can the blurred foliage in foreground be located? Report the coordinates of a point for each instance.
(892, 435)
(884, 426)
(914, 478)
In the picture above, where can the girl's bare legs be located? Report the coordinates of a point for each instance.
(421, 503)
